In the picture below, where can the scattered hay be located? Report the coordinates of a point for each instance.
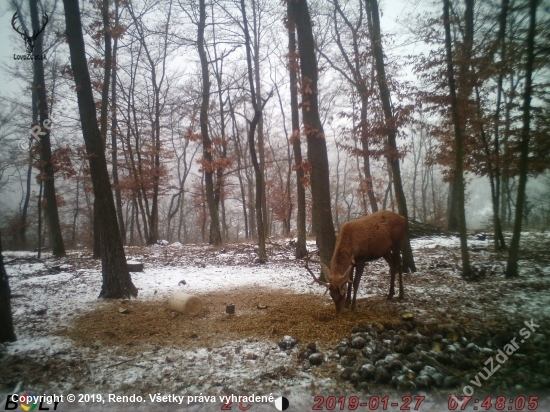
(306, 317)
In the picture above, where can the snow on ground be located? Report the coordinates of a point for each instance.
(49, 293)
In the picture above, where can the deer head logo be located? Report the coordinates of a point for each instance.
(29, 40)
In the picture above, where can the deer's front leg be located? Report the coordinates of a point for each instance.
(348, 295)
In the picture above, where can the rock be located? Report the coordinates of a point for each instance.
(450, 349)
(403, 383)
(344, 342)
(288, 342)
(463, 341)
(436, 347)
(312, 346)
(428, 370)
(346, 373)
(304, 354)
(437, 337)
(367, 371)
(345, 351)
(381, 375)
(443, 358)
(364, 386)
(408, 373)
(406, 386)
(393, 361)
(422, 381)
(316, 359)
(413, 357)
(539, 339)
(472, 348)
(358, 342)
(450, 382)
(355, 377)
(487, 351)
(381, 354)
(378, 327)
(416, 366)
(437, 379)
(408, 316)
(359, 328)
(348, 360)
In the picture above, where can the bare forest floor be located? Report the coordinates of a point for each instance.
(71, 343)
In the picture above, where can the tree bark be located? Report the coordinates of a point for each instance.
(114, 140)
(512, 264)
(316, 143)
(393, 157)
(301, 247)
(117, 282)
(459, 123)
(7, 334)
(208, 166)
(260, 212)
(47, 173)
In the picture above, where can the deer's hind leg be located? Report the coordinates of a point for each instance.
(396, 252)
(388, 257)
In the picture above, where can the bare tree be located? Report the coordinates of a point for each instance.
(392, 155)
(46, 169)
(512, 263)
(260, 221)
(298, 11)
(293, 67)
(117, 282)
(459, 123)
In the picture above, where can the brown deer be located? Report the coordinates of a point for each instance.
(379, 235)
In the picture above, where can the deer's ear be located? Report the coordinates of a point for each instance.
(326, 271)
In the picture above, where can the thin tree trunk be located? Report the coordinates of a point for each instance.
(40, 220)
(393, 158)
(114, 140)
(208, 166)
(260, 221)
(47, 172)
(512, 264)
(301, 247)
(117, 282)
(459, 127)
(7, 333)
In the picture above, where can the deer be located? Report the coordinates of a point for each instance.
(29, 40)
(379, 235)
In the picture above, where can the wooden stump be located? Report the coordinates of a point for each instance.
(134, 266)
(185, 303)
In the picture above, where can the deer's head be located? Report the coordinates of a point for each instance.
(29, 40)
(337, 285)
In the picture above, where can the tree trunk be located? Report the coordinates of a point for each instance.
(117, 282)
(261, 139)
(260, 212)
(316, 143)
(393, 158)
(215, 234)
(301, 247)
(7, 334)
(47, 173)
(114, 140)
(459, 124)
(512, 264)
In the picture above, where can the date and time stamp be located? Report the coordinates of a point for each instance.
(414, 403)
